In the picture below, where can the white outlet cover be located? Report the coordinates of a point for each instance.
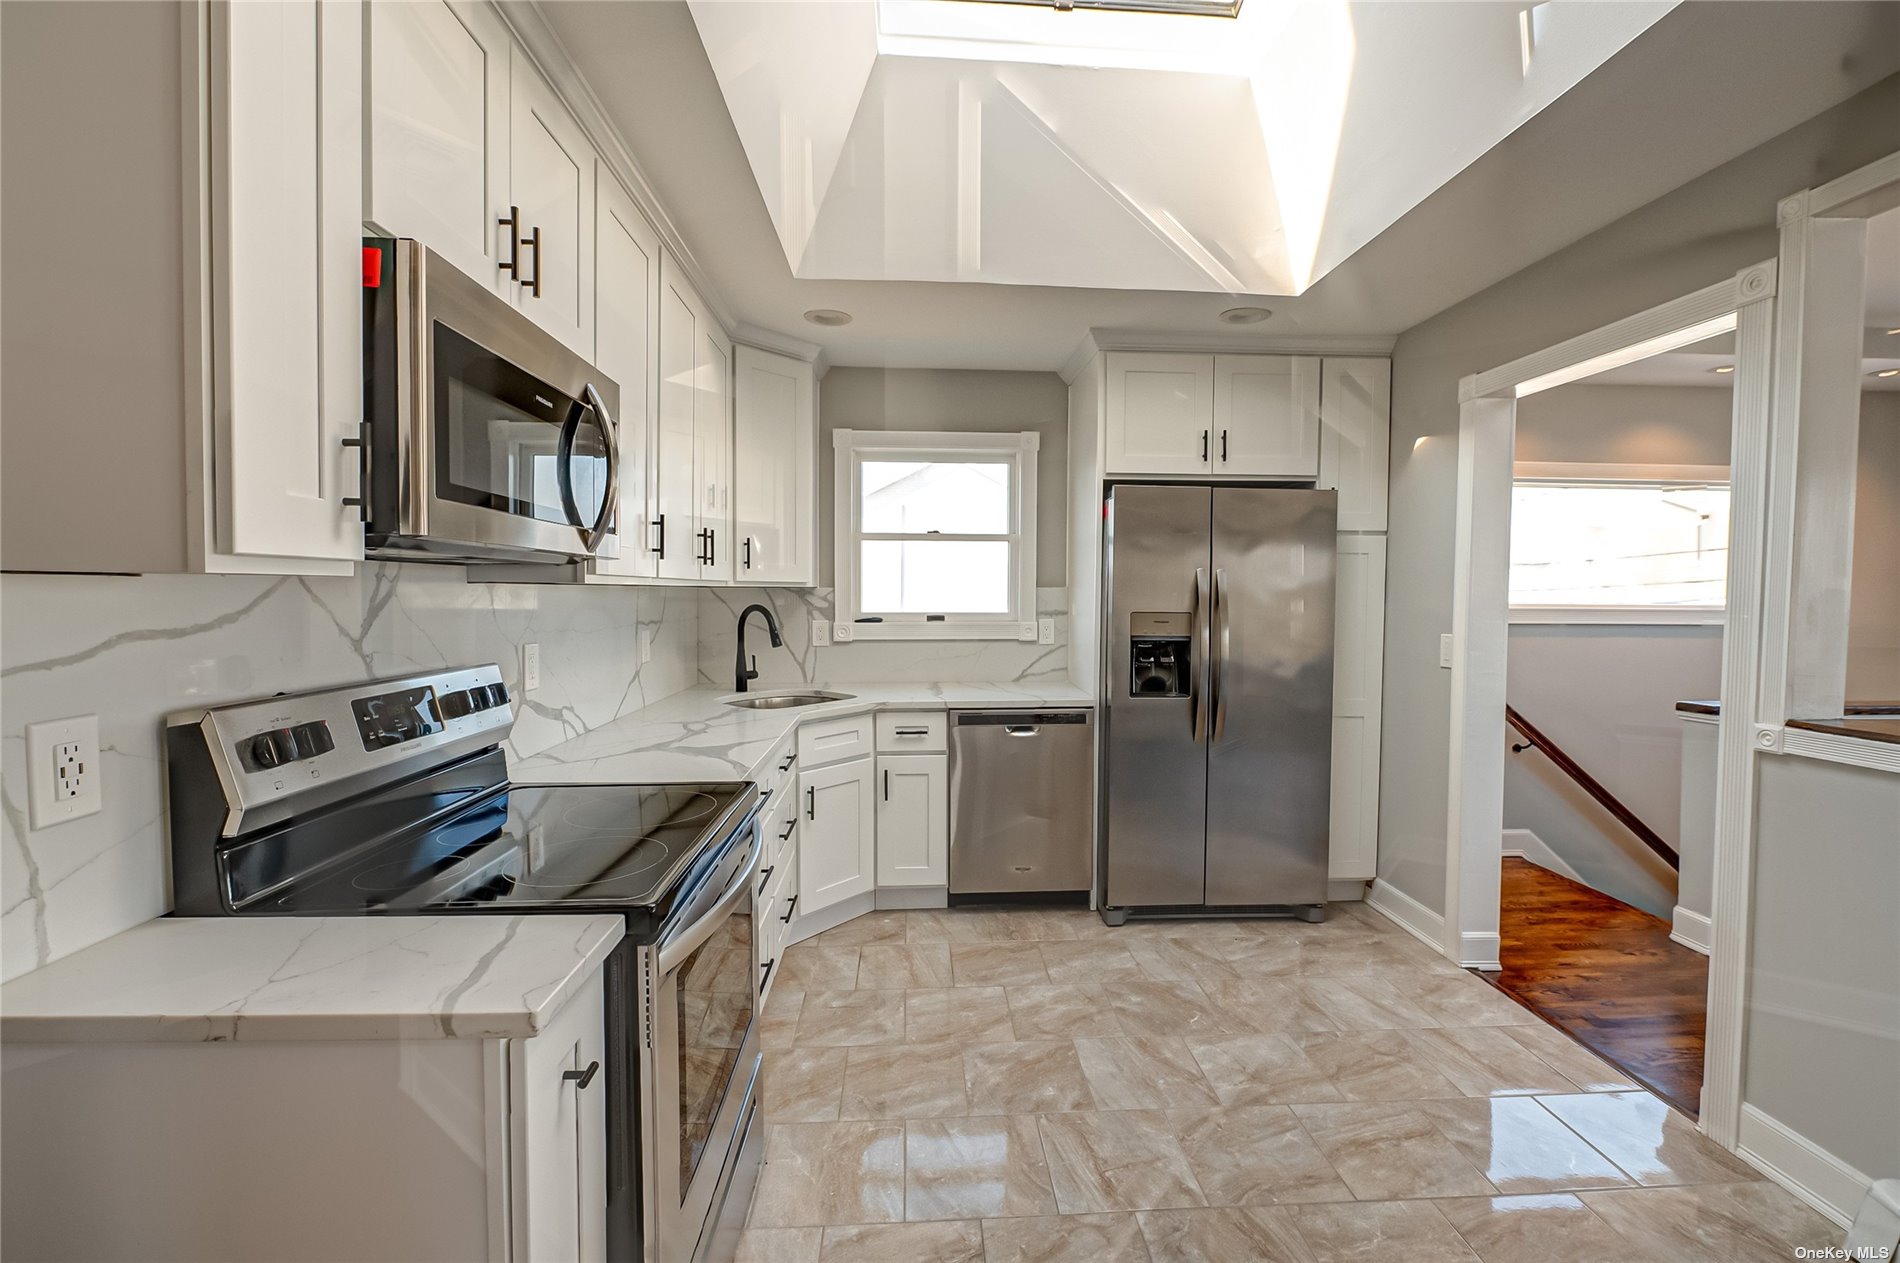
(1045, 631)
(646, 645)
(820, 632)
(46, 805)
(530, 667)
(1444, 651)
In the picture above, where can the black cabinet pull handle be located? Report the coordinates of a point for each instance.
(789, 760)
(766, 974)
(787, 918)
(581, 1078)
(1203, 444)
(512, 222)
(659, 549)
(789, 826)
(887, 784)
(745, 548)
(712, 546)
(533, 241)
(360, 501)
(912, 732)
(765, 875)
(811, 802)
(1223, 447)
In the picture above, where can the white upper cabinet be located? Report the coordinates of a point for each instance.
(774, 474)
(438, 126)
(551, 184)
(1355, 409)
(674, 518)
(712, 451)
(626, 320)
(1266, 416)
(1160, 413)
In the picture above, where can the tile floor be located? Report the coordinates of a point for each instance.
(971, 1086)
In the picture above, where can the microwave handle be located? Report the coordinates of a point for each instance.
(592, 535)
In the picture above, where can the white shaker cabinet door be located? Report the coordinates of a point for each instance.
(1160, 413)
(558, 1125)
(287, 358)
(551, 181)
(913, 820)
(675, 521)
(437, 167)
(774, 468)
(1266, 416)
(837, 839)
(1358, 669)
(1355, 409)
(712, 451)
(626, 316)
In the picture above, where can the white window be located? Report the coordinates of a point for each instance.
(1618, 549)
(936, 535)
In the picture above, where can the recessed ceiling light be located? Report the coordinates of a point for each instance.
(828, 316)
(1723, 368)
(1886, 372)
(1245, 315)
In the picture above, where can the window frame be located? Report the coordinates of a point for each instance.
(1610, 475)
(851, 448)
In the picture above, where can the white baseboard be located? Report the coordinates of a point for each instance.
(1480, 951)
(1802, 1167)
(1526, 845)
(1691, 929)
(1407, 913)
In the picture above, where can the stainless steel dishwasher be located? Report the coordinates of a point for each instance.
(1022, 798)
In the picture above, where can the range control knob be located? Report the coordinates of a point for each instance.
(498, 695)
(456, 705)
(312, 739)
(274, 748)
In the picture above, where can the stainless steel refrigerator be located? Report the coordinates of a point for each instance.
(1217, 742)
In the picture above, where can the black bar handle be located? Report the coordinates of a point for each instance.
(887, 784)
(660, 550)
(789, 826)
(765, 875)
(361, 443)
(766, 975)
(581, 1078)
(1223, 447)
(512, 222)
(811, 802)
(787, 918)
(534, 242)
(789, 760)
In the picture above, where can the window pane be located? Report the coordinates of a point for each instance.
(934, 576)
(947, 497)
(1628, 545)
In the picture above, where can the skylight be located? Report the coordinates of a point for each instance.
(1193, 8)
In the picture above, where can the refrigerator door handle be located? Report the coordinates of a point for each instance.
(1197, 713)
(1218, 675)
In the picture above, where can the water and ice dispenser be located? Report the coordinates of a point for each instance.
(1159, 653)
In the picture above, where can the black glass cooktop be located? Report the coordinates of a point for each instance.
(573, 847)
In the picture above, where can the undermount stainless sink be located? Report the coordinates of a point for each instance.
(784, 701)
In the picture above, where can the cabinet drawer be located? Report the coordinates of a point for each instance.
(825, 741)
(779, 774)
(781, 828)
(900, 732)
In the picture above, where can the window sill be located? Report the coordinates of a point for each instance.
(849, 633)
(1618, 615)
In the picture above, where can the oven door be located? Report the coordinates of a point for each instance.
(705, 1052)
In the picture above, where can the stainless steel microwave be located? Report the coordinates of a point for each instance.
(485, 439)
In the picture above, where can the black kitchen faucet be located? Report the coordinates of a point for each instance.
(740, 671)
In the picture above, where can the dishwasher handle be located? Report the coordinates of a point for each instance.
(1023, 730)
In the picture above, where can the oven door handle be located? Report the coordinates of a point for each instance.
(674, 951)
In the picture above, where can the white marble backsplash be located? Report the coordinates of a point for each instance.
(800, 662)
(131, 649)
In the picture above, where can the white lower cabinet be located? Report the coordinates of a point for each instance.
(558, 1127)
(1358, 665)
(837, 844)
(913, 820)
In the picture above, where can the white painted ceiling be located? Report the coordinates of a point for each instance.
(1705, 83)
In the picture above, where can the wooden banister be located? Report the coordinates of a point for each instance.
(1534, 738)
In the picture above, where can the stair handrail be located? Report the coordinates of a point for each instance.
(1535, 739)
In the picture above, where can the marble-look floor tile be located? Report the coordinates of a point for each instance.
(802, 1085)
(1180, 1009)
(1258, 1234)
(1184, 959)
(1522, 1147)
(1255, 1155)
(1036, 1078)
(830, 1173)
(997, 965)
(1266, 1006)
(1089, 962)
(960, 1168)
(1752, 1222)
(1485, 1061)
(1374, 1066)
(1061, 1011)
(1391, 1150)
(863, 931)
(1259, 956)
(1460, 999)
(841, 1018)
(1572, 1060)
(1413, 1231)
(1262, 1070)
(959, 1015)
(1365, 1003)
(903, 966)
(1646, 1138)
(1048, 925)
(942, 1242)
(1121, 1160)
(904, 1081)
(956, 925)
(1108, 1238)
(809, 967)
(1542, 1228)
(1142, 1072)
(779, 1245)
(778, 1026)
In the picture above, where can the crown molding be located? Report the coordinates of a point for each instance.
(1097, 341)
(782, 344)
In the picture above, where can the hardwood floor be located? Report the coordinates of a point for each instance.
(1609, 975)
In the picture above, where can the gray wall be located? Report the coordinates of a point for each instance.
(1873, 625)
(1705, 231)
(974, 400)
(1626, 425)
(1823, 1043)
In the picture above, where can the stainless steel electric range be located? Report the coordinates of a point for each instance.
(392, 798)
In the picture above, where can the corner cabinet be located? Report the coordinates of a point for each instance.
(774, 469)
(1252, 416)
(837, 837)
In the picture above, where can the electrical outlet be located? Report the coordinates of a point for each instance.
(820, 632)
(62, 756)
(646, 645)
(530, 667)
(1444, 651)
(1045, 631)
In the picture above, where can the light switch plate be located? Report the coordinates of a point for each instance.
(62, 758)
(1045, 631)
(646, 645)
(530, 667)
(1444, 651)
(820, 632)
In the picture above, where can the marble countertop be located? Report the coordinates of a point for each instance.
(206, 980)
(695, 736)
